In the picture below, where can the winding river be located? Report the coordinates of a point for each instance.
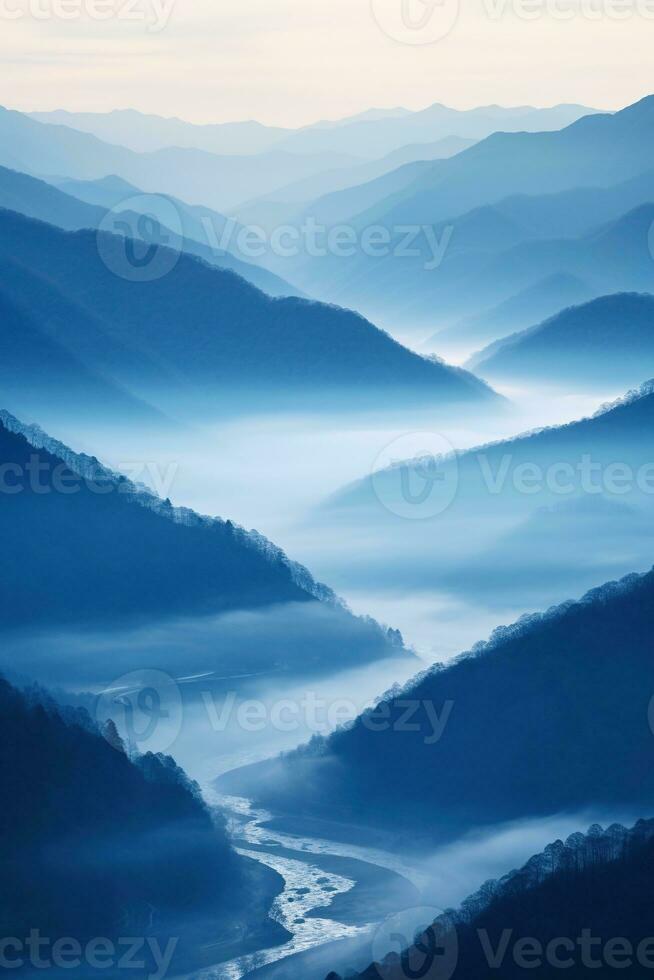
(307, 886)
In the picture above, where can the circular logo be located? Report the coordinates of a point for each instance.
(141, 238)
(416, 476)
(416, 21)
(143, 709)
(419, 942)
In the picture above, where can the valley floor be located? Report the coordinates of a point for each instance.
(335, 893)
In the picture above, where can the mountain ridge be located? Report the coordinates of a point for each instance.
(514, 699)
(608, 338)
(210, 332)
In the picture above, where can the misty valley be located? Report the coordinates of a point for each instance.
(327, 514)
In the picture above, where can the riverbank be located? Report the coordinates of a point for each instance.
(376, 893)
(333, 898)
(256, 929)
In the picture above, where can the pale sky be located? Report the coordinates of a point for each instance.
(290, 62)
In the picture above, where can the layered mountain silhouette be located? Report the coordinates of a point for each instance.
(183, 561)
(596, 151)
(552, 714)
(492, 254)
(609, 340)
(370, 134)
(523, 521)
(198, 176)
(615, 257)
(535, 303)
(145, 133)
(548, 185)
(87, 548)
(289, 204)
(379, 136)
(84, 204)
(98, 844)
(175, 324)
(484, 474)
(595, 885)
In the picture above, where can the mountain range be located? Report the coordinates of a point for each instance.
(607, 341)
(288, 204)
(374, 133)
(532, 304)
(509, 190)
(621, 426)
(594, 151)
(197, 176)
(86, 547)
(544, 193)
(247, 165)
(551, 715)
(177, 331)
(513, 522)
(74, 205)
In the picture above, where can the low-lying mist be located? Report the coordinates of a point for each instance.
(215, 693)
(272, 473)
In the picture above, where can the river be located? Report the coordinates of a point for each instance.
(308, 886)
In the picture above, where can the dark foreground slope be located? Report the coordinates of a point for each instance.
(552, 714)
(579, 907)
(80, 542)
(96, 844)
(83, 546)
